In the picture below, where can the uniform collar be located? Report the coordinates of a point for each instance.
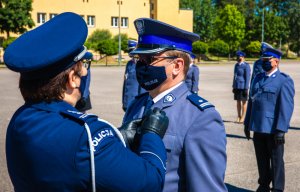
(161, 95)
(172, 96)
(273, 72)
(53, 106)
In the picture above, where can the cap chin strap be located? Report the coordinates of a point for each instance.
(81, 54)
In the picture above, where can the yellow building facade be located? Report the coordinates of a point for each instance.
(105, 14)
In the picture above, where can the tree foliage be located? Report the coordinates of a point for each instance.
(96, 37)
(15, 16)
(219, 48)
(230, 26)
(200, 47)
(124, 41)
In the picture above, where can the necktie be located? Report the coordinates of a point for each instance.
(148, 105)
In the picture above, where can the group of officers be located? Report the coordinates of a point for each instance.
(171, 139)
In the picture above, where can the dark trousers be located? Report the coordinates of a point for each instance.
(270, 161)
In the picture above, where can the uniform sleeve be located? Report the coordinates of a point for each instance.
(253, 71)
(195, 83)
(205, 153)
(247, 76)
(248, 112)
(286, 105)
(119, 169)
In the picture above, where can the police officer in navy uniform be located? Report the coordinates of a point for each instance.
(268, 115)
(192, 77)
(195, 139)
(84, 102)
(51, 146)
(240, 85)
(257, 66)
(131, 87)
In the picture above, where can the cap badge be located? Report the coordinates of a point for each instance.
(140, 27)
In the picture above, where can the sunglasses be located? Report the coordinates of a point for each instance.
(151, 59)
(86, 63)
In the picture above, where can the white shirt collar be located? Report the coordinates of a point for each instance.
(269, 75)
(161, 95)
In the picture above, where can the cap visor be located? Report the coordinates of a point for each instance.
(145, 51)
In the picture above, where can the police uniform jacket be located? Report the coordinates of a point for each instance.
(241, 77)
(271, 103)
(192, 78)
(47, 150)
(195, 140)
(131, 87)
(257, 68)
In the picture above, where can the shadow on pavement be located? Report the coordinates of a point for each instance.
(235, 136)
(232, 188)
(295, 128)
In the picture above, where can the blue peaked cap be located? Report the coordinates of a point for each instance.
(265, 45)
(50, 48)
(271, 52)
(156, 36)
(240, 54)
(132, 44)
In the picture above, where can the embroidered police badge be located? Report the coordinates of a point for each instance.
(169, 98)
(140, 27)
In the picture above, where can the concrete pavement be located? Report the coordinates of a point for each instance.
(215, 86)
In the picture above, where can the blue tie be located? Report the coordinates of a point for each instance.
(148, 105)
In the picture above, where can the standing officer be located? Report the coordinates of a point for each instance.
(257, 68)
(240, 85)
(192, 77)
(269, 113)
(131, 87)
(84, 102)
(51, 146)
(195, 139)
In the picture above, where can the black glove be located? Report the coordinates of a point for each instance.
(155, 121)
(279, 138)
(233, 90)
(128, 131)
(245, 92)
(247, 132)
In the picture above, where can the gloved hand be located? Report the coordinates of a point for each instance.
(128, 131)
(247, 132)
(155, 121)
(279, 138)
(245, 92)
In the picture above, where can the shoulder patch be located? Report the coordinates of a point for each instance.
(100, 136)
(83, 117)
(201, 103)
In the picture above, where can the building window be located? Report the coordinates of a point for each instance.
(151, 6)
(124, 22)
(41, 18)
(114, 21)
(91, 21)
(52, 15)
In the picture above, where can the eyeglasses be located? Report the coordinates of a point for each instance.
(152, 59)
(86, 63)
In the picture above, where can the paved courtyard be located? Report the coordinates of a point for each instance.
(215, 86)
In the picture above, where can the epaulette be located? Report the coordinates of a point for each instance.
(201, 103)
(285, 75)
(78, 116)
(141, 95)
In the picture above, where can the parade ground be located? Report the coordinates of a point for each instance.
(215, 86)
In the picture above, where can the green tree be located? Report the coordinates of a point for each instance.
(204, 16)
(200, 47)
(294, 26)
(253, 48)
(230, 27)
(8, 41)
(219, 48)
(107, 47)
(124, 41)
(96, 37)
(15, 16)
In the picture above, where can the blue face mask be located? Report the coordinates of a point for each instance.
(266, 65)
(148, 76)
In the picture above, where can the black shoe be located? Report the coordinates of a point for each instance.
(276, 190)
(263, 188)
